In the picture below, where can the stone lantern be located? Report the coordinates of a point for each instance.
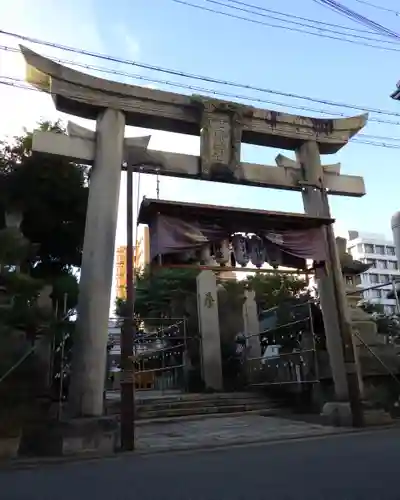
(351, 271)
(365, 335)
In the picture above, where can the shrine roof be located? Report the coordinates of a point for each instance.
(244, 218)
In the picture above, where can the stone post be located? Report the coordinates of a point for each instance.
(90, 346)
(251, 324)
(309, 158)
(207, 306)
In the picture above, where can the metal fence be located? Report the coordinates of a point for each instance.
(161, 354)
(393, 293)
(288, 350)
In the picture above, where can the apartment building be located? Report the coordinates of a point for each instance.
(375, 249)
(141, 257)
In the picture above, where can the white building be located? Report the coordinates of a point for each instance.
(375, 249)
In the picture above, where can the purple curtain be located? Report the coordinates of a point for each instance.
(170, 235)
(305, 243)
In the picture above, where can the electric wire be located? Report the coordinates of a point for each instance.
(102, 56)
(292, 16)
(287, 28)
(248, 10)
(180, 85)
(379, 7)
(374, 140)
(356, 17)
(207, 79)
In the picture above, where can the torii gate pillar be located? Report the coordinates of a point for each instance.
(309, 158)
(90, 349)
(330, 284)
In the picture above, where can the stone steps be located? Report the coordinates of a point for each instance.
(205, 410)
(187, 418)
(162, 405)
(187, 405)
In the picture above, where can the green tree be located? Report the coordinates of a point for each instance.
(387, 324)
(273, 289)
(164, 293)
(172, 292)
(51, 193)
(370, 308)
(23, 317)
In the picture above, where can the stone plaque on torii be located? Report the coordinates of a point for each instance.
(222, 127)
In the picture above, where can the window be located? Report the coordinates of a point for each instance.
(369, 248)
(360, 248)
(380, 249)
(390, 250)
(381, 264)
(389, 309)
(357, 279)
(392, 265)
(349, 280)
(371, 261)
(375, 294)
(374, 278)
(383, 278)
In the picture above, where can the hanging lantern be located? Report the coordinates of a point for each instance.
(222, 252)
(188, 256)
(272, 254)
(256, 251)
(239, 245)
(206, 257)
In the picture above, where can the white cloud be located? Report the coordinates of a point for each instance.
(127, 39)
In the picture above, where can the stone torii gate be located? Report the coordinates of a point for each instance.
(222, 127)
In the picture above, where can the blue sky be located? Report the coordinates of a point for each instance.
(161, 32)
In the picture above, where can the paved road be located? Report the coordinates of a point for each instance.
(338, 467)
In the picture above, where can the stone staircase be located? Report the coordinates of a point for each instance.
(193, 406)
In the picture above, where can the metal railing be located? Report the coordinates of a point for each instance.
(297, 367)
(391, 283)
(161, 355)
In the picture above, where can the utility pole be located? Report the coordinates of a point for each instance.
(128, 332)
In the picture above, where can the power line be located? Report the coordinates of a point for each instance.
(246, 8)
(358, 18)
(385, 9)
(288, 28)
(292, 16)
(193, 88)
(192, 76)
(371, 139)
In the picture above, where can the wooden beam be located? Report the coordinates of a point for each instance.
(221, 269)
(81, 150)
